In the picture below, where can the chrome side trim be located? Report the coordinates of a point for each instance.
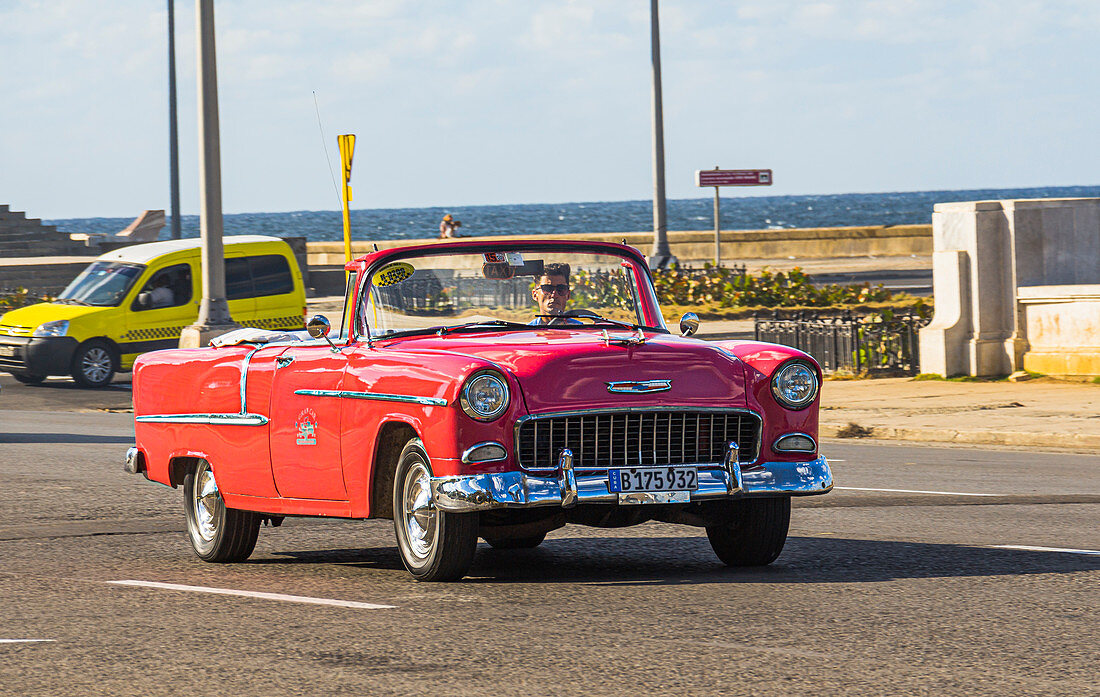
(639, 386)
(776, 448)
(480, 492)
(244, 379)
(376, 396)
(211, 419)
(468, 451)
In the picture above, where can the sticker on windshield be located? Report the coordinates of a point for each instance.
(392, 274)
(510, 258)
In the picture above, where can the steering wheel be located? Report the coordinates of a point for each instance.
(573, 313)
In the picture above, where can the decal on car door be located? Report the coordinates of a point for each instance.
(306, 427)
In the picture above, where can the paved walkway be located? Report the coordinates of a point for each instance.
(1041, 413)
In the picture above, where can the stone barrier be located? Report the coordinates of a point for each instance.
(697, 247)
(1014, 279)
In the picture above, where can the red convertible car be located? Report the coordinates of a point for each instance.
(485, 390)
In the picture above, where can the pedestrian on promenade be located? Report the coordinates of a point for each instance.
(448, 227)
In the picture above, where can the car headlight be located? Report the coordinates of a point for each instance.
(484, 396)
(55, 328)
(795, 385)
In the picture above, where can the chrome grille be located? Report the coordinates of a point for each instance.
(637, 438)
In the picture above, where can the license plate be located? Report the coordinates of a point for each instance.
(7, 350)
(631, 479)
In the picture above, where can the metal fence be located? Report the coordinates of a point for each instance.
(847, 342)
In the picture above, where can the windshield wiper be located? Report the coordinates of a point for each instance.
(73, 301)
(483, 323)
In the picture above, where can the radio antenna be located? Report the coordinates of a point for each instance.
(324, 145)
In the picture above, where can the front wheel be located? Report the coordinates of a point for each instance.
(435, 545)
(217, 533)
(753, 531)
(94, 364)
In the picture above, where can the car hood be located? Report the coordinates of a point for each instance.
(25, 320)
(562, 369)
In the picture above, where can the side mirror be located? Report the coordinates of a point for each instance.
(318, 327)
(689, 324)
(144, 301)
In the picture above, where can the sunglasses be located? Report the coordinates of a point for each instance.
(559, 288)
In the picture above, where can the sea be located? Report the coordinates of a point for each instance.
(738, 213)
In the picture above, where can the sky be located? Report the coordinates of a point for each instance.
(470, 102)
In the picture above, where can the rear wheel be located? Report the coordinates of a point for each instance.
(753, 533)
(29, 378)
(94, 364)
(435, 545)
(516, 542)
(217, 533)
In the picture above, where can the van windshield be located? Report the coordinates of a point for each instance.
(103, 283)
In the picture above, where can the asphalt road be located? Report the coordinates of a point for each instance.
(987, 585)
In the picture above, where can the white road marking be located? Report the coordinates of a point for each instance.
(1027, 548)
(255, 594)
(913, 491)
(24, 641)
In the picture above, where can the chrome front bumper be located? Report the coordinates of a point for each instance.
(480, 492)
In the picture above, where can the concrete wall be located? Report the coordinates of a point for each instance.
(985, 254)
(1062, 325)
(690, 247)
(694, 247)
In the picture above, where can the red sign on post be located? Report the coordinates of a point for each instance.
(733, 177)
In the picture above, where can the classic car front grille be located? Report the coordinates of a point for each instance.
(637, 438)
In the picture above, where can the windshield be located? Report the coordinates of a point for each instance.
(103, 283)
(503, 290)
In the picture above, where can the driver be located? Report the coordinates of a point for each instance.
(552, 292)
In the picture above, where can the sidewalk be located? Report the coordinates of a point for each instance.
(1040, 413)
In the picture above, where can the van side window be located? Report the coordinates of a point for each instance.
(169, 287)
(251, 277)
(238, 278)
(270, 275)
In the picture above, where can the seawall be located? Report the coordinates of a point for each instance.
(325, 260)
(696, 247)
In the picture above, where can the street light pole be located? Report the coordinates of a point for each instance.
(662, 256)
(214, 316)
(173, 140)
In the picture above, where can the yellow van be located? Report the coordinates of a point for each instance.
(138, 298)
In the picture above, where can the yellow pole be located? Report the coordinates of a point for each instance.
(347, 150)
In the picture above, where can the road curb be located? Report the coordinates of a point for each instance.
(946, 435)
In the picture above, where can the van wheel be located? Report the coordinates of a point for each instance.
(217, 533)
(29, 378)
(94, 364)
(435, 545)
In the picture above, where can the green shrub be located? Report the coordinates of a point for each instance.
(728, 288)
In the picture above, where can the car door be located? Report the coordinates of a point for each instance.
(305, 423)
(164, 304)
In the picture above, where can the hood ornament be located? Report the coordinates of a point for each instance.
(639, 386)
